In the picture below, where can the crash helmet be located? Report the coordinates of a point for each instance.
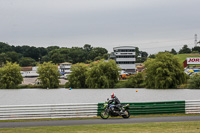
(112, 95)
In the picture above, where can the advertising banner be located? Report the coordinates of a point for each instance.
(193, 60)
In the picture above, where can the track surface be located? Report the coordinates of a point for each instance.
(97, 121)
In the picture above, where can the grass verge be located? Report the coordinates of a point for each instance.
(175, 127)
(132, 116)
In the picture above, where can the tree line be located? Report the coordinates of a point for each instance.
(163, 72)
(184, 50)
(30, 55)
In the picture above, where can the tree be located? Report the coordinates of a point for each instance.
(152, 56)
(97, 52)
(4, 47)
(103, 74)
(57, 58)
(135, 81)
(3, 58)
(173, 51)
(48, 75)
(50, 48)
(10, 76)
(185, 50)
(165, 71)
(144, 54)
(27, 61)
(140, 56)
(78, 76)
(196, 48)
(77, 55)
(87, 47)
(45, 58)
(194, 81)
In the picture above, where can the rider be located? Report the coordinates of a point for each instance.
(116, 101)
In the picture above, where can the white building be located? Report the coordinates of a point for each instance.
(125, 57)
(65, 68)
(32, 72)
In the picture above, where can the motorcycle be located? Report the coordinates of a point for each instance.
(111, 110)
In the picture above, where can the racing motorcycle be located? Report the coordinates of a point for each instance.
(111, 110)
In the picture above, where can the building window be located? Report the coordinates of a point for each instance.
(128, 56)
(125, 62)
(125, 50)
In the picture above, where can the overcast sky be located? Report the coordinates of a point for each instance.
(151, 25)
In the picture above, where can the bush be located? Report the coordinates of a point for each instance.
(165, 71)
(194, 81)
(121, 84)
(134, 81)
(104, 74)
(48, 75)
(78, 76)
(10, 76)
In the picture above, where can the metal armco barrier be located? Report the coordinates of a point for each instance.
(192, 107)
(48, 111)
(142, 108)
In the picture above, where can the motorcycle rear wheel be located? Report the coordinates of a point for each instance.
(127, 114)
(104, 114)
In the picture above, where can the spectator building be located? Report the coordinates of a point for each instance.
(65, 68)
(125, 57)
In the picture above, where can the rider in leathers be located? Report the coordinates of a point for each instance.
(116, 101)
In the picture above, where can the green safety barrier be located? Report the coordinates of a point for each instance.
(146, 108)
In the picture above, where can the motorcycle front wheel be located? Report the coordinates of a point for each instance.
(126, 114)
(104, 114)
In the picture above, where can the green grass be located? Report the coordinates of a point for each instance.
(170, 127)
(132, 116)
(182, 57)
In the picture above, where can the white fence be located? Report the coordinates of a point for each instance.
(48, 111)
(192, 107)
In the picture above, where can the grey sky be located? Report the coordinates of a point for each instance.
(151, 25)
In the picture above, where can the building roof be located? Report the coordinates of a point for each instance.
(66, 63)
(123, 47)
(26, 68)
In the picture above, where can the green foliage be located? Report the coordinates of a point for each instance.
(182, 57)
(152, 56)
(102, 74)
(78, 76)
(164, 71)
(173, 51)
(10, 76)
(27, 61)
(56, 57)
(194, 81)
(141, 56)
(4, 47)
(136, 81)
(185, 50)
(48, 75)
(121, 84)
(196, 48)
(195, 52)
(28, 86)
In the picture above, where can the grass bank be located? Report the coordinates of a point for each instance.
(175, 127)
(35, 86)
(182, 57)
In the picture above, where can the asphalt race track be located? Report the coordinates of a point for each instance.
(97, 121)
